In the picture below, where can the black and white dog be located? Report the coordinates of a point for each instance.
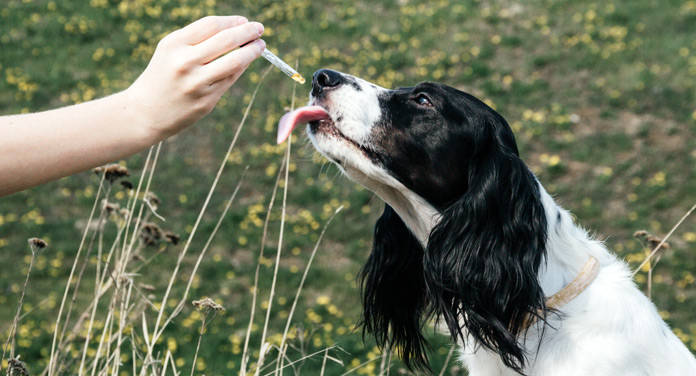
(470, 237)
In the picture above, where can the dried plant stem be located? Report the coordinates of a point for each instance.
(312, 355)
(107, 324)
(52, 360)
(198, 347)
(304, 277)
(254, 295)
(657, 248)
(15, 323)
(100, 290)
(123, 311)
(159, 328)
(386, 360)
(447, 360)
(363, 364)
(323, 362)
(76, 289)
(120, 269)
(169, 359)
(262, 352)
(181, 303)
(650, 276)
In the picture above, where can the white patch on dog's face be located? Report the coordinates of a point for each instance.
(354, 110)
(354, 107)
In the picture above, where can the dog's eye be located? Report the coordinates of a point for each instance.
(423, 100)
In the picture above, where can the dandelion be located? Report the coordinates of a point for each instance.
(112, 172)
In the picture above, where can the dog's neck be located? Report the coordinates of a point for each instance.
(419, 216)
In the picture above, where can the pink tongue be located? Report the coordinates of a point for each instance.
(302, 115)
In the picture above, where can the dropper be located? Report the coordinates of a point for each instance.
(283, 66)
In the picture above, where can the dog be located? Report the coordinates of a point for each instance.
(470, 237)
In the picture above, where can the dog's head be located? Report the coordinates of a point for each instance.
(464, 230)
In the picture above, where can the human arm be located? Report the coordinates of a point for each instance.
(188, 73)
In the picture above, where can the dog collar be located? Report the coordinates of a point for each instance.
(586, 276)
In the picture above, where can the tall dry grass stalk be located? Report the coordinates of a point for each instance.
(254, 292)
(447, 360)
(52, 360)
(264, 346)
(299, 288)
(36, 245)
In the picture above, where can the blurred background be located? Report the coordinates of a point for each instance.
(601, 96)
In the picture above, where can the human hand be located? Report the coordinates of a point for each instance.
(191, 69)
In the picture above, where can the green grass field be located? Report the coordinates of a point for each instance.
(601, 96)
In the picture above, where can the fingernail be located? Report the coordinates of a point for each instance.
(259, 27)
(241, 20)
(261, 43)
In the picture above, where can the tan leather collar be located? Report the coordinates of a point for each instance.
(586, 276)
(575, 287)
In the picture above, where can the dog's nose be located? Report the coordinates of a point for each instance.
(325, 78)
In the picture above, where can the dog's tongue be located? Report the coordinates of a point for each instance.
(302, 115)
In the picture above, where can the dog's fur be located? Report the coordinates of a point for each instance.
(469, 236)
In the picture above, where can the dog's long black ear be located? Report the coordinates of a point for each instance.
(482, 259)
(393, 291)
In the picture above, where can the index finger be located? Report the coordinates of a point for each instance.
(206, 27)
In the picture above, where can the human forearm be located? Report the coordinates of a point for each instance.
(80, 137)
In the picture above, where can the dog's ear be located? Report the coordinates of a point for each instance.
(393, 291)
(482, 259)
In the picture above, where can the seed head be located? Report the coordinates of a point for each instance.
(171, 237)
(16, 367)
(651, 240)
(112, 172)
(153, 199)
(207, 305)
(640, 234)
(110, 208)
(151, 233)
(36, 245)
(127, 184)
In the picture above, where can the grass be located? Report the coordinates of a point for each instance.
(600, 95)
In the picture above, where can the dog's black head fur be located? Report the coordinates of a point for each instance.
(478, 272)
